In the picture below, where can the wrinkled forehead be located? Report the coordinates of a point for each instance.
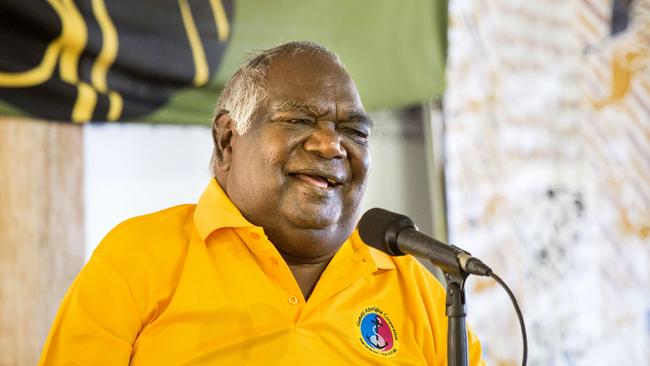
(313, 78)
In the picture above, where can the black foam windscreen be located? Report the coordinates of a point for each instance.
(379, 228)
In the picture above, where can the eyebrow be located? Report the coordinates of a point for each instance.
(292, 105)
(360, 116)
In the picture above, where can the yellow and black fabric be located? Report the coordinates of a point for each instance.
(107, 60)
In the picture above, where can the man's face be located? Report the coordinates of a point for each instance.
(301, 168)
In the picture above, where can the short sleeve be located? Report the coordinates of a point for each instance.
(98, 320)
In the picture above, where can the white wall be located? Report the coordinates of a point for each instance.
(133, 169)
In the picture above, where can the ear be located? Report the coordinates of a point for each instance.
(223, 129)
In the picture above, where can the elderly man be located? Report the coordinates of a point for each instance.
(267, 268)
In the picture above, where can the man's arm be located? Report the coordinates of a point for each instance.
(97, 322)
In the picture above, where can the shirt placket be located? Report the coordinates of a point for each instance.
(276, 269)
(343, 271)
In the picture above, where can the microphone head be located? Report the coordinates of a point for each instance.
(379, 228)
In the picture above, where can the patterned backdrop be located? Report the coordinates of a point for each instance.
(548, 173)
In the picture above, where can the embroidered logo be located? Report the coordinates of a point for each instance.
(377, 333)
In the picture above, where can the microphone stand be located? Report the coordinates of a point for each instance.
(456, 312)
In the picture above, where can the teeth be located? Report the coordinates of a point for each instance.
(331, 181)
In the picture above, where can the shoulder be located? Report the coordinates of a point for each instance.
(415, 277)
(154, 233)
(149, 252)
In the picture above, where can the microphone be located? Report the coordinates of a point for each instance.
(397, 235)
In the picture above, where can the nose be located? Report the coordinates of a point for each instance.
(326, 142)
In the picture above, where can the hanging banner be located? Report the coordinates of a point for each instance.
(100, 60)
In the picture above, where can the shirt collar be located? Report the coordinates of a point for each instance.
(379, 258)
(215, 211)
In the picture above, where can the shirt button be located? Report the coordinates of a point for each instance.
(255, 236)
(293, 300)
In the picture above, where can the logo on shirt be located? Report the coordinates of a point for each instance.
(377, 333)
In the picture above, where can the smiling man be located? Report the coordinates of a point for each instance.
(267, 268)
(297, 166)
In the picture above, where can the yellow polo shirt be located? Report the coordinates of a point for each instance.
(200, 285)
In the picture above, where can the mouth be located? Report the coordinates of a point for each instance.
(318, 179)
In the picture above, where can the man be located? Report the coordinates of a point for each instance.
(267, 267)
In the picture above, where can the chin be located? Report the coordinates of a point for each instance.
(325, 217)
(314, 217)
(314, 222)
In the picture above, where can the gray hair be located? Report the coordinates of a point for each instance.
(247, 89)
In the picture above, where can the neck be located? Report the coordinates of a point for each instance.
(312, 261)
(307, 275)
